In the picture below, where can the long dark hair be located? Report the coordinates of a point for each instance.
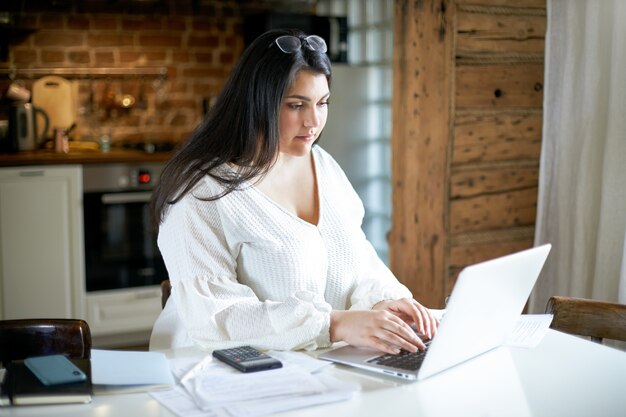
(242, 126)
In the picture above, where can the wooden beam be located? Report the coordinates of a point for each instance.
(423, 76)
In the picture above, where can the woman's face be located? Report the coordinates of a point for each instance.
(303, 113)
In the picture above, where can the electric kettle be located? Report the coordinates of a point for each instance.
(22, 134)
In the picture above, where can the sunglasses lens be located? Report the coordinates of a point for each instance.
(288, 44)
(316, 43)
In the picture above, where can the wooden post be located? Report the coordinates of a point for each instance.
(422, 102)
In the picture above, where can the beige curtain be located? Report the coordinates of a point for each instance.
(582, 186)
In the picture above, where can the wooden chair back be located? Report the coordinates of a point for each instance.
(595, 319)
(20, 339)
(166, 290)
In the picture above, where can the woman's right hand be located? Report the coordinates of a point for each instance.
(375, 329)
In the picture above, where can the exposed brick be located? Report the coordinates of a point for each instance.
(179, 24)
(181, 103)
(153, 120)
(228, 11)
(129, 56)
(221, 26)
(28, 20)
(227, 58)
(204, 89)
(58, 38)
(196, 41)
(109, 39)
(178, 87)
(104, 58)
(51, 21)
(24, 56)
(180, 8)
(127, 117)
(180, 136)
(51, 56)
(179, 120)
(79, 57)
(105, 22)
(78, 22)
(142, 23)
(204, 57)
(155, 56)
(180, 57)
(207, 10)
(230, 41)
(201, 23)
(209, 41)
(50, 7)
(199, 72)
(172, 72)
(174, 41)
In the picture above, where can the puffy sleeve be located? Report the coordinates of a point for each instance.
(216, 309)
(375, 281)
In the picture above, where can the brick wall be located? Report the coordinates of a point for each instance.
(197, 41)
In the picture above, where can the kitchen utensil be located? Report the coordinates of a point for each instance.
(17, 92)
(109, 100)
(22, 135)
(142, 103)
(4, 130)
(56, 96)
(61, 141)
(87, 107)
(161, 88)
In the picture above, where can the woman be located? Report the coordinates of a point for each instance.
(260, 229)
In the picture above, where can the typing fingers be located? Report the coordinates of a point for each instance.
(398, 333)
(424, 321)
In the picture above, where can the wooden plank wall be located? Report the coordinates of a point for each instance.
(467, 118)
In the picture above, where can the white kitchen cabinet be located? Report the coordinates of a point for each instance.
(123, 316)
(41, 242)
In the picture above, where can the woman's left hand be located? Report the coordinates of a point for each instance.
(411, 312)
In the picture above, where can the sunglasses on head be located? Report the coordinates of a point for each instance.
(290, 44)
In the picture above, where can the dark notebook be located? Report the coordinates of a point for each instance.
(25, 389)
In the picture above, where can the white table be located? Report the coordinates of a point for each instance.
(563, 376)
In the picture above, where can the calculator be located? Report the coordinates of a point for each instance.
(247, 359)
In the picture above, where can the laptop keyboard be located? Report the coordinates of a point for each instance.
(410, 361)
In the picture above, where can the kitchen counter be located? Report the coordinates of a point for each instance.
(81, 157)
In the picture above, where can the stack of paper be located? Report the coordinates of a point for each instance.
(212, 388)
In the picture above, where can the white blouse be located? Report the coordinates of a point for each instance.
(246, 271)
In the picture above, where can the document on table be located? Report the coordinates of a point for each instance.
(212, 389)
(530, 330)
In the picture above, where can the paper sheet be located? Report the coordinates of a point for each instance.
(209, 390)
(530, 330)
(179, 402)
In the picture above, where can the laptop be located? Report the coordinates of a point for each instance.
(482, 311)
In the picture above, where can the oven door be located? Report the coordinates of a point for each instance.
(120, 245)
